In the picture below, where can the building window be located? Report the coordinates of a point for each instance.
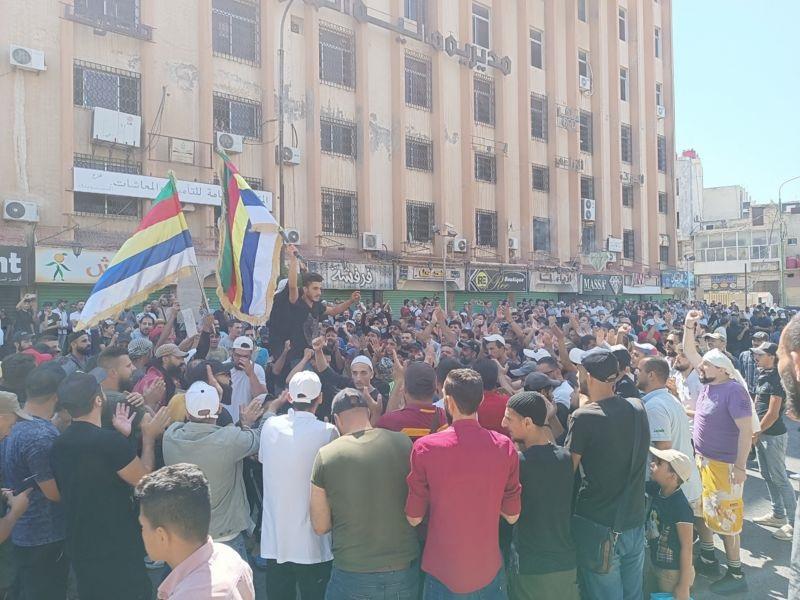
(583, 63)
(541, 234)
(90, 161)
(659, 94)
(582, 10)
(791, 241)
(628, 244)
(539, 117)
(339, 212)
(106, 205)
(255, 183)
(480, 25)
(418, 81)
(663, 205)
(663, 254)
(414, 10)
(623, 84)
(236, 29)
(758, 215)
(627, 195)
(120, 16)
(587, 187)
(541, 178)
(484, 100)
(657, 41)
(419, 154)
(237, 115)
(337, 59)
(485, 167)
(626, 144)
(588, 238)
(662, 154)
(419, 221)
(338, 137)
(587, 142)
(105, 87)
(623, 25)
(537, 49)
(486, 228)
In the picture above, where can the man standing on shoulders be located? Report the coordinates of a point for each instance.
(771, 443)
(358, 489)
(609, 440)
(542, 536)
(296, 556)
(175, 511)
(464, 479)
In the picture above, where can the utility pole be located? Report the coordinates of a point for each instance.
(281, 76)
(781, 236)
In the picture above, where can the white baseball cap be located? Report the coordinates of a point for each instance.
(576, 355)
(536, 355)
(202, 400)
(495, 337)
(305, 387)
(362, 360)
(243, 343)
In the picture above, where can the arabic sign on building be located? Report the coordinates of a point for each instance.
(567, 117)
(15, 265)
(724, 282)
(676, 279)
(554, 279)
(95, 181)
(497, 280)
(354, 276)
(641, 283)
(610, 285)
(60, 265)
(570, 164)
(435, 275)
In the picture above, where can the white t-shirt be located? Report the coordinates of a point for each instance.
(289, 446)
(74, 317)
(669, 423)
(688, 389)
(241, 394)
(563, 393)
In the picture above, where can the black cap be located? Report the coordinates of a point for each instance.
(199, 371)
(530, 404)
(76, 390)
(471, 344)
(601, 364)
(539, 381)
(74, 336)
(623, 356)
(346, 399)
(767, 348)
(420, 380)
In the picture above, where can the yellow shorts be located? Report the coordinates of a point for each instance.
(723, 507)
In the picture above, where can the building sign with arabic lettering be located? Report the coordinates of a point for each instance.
(354, 276)
(15, 265)
(641, 283)
(567, 117)
(570, 164)
(677, 279)
(554, 279)
(606, 285)
(433, 275)
(61, 265)
(497, 280)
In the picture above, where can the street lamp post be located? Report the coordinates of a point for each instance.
(446, 231)
(781, 257)
(281, 75)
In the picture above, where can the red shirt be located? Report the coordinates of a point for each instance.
(414, 421)
(463, 478)
(492, 410)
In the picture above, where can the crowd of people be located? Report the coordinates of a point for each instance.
(533, 450)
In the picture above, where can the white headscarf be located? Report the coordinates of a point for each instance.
(719, 359)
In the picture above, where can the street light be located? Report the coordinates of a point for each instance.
(281, 53)
(781, 257)
(445, 231)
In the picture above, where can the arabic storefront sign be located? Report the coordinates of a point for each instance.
(610, 285)
(60, 265)
(554, 279)
(676, 279)
(567, 117)
(570, 164)
(435, 275)
(641, 283)
(15, 265)
(352, 276)
(95, 181)
(724, 282)
(497, 280)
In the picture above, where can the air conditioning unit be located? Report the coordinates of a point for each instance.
(26, 58)
(114, 127)
(290, 155)
(584, 83)
(460, 245)
(588, 209)
(292, 236)
(232, 143)
(513, 243)
(661, 112)
(371, 241)
(17, 210)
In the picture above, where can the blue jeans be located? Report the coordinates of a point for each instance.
(237, 544)
(496, 590)
(771, 452)
(386, 585)
(624, 581)
(794, 563)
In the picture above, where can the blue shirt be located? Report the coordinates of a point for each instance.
(26, 452)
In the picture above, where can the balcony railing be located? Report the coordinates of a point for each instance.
(110, 23)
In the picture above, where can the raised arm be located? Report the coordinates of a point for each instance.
(689, 341)
(294, 272)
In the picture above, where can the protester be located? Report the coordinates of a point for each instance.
(248, 379)
(418, 417)
(78, 352)
(16, 504)
(140, 352)
(175, 512)
(167, 367)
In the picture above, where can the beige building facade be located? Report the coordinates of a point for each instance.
(538, 133)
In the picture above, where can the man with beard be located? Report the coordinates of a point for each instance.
(723, 431)
(79, 348)
(214, 373)
(219, 452)
(687, 383)
(115, 374)
(747, 359)
(146, 325)
(247, 378)
(167, 367)
(469, 350)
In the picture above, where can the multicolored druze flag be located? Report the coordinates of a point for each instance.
(158, 253)
(249, 250)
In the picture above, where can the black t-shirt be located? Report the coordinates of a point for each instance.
(303, 323)
(735, 345)
(23, 321)
(602, 433)
(626, 388)
(542, 536)
(101, 515)
(769, 384)
(661, 529)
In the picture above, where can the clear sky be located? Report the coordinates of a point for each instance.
(737, 91)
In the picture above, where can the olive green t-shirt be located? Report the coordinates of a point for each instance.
(364, 477)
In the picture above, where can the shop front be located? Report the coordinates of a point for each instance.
(341, 278)
(415, 282)
(493, 284)
(677, 283)
(68, 273)
(602, 285)
(16, 267)
(546, 283)
(644, 286)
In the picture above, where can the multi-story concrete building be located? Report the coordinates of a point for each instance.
(538, 132)
(688, 194)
